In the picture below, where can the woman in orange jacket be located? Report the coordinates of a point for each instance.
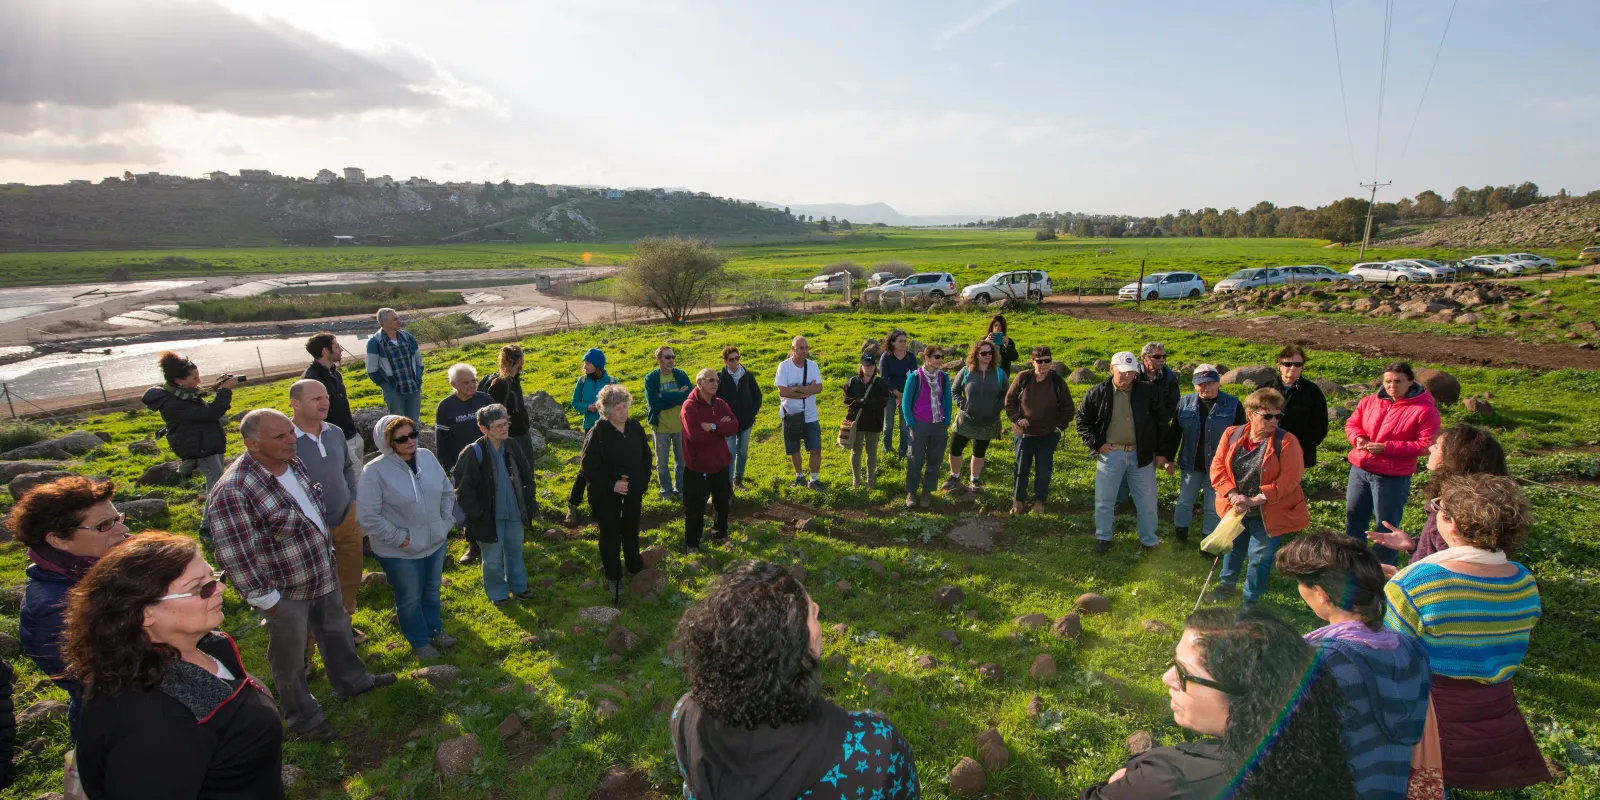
(1256, 473)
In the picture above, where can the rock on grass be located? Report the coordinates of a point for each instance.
(1044, 667)
(967, 778)
(439, 676)
(948, 597)
(992, 750)
(454, 757)
(1091, 603)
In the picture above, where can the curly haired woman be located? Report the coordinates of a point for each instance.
(754, 723)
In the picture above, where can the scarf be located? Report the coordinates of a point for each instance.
(60, 562)
(737, 375)
(932, 376)
(1462, 553)
(184, 393)
(1357, 632)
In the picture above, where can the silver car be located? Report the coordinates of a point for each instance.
(874, 293)
(1538, 262)
(1498, 266)
(1384, 272)
(1316, 273)
(1251, 278)
(1435, 270)
(938, 285)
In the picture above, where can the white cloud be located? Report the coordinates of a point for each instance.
(973, 21)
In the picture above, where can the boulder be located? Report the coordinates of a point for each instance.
(1155, 626)
(992, 751)
(1260, 373)
(967, 778)
(80, 442)
(1424, 306)
(538, 444)
(455, 757)
(10, 646)
(143, 510)
(1044, 667)
(41, 710)
(144, 447)
(1468, 318)
(1138, 742)
(950, 637)
(163, 474)
(649, 582)
(1031, 621)
(926, 662)
(1478, 407)
(509, 727)
(1338, 414)
(806, 524)
(1331, 388)
(365, 418)
(798, 572)
(1035, 707)
(991, 671)
(568, 567)
(602, 616)
(11, 469)
(44, 451)
(1091, 603)
(1083, 377)
(844, 586)
(1068, 627)
(948, 597)
(559, 435)
(975, 533)
(545, 412)
(439, 676)
(1446, 390)
(292, 776)
(25, 482)
(621, 640)
(374, 579)
(653, 555)
(1102, 364)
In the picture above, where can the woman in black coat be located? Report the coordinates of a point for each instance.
(739, 388)
(617, 464)
(194, 423)
(866, 396)
(169, 710)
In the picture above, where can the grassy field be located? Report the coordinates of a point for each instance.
(971, 255)
(1108, 684)
(314, 306)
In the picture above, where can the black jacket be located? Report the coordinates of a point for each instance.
(866, 403)
(338, 399)
(1094, 418)
(1189, 771)
(508, 392)
(193, 736)
(1305, 414)
(1167, 390)
(194, 427)
(745, 399)
(8, 726)
(609, 454)
(475, 485)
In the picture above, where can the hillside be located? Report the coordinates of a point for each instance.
(233, 215)
(1574, 221)
(871, 213)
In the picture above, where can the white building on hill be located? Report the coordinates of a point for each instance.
(354, 175)
(325, 176)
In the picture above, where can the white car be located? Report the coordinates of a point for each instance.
(1539, 262)
(1435, 270)
(875, 293)
(825, 284)
(1498, 266)
(938, 285)
(1015, 284)
(1164, 286)
(1251, 278)
(879, 279)
(1316, 273)
(1382, 272)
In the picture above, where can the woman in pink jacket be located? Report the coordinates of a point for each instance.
(1388, 432)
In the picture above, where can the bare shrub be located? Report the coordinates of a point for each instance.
(673, 275)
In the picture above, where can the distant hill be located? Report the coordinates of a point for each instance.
(1555, 222)
(876, 212)
(205, 214)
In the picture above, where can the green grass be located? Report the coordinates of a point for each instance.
(314, 306)
(1108, 685)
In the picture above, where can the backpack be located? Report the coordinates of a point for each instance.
(1276, 443)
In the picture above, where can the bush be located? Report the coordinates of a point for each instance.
(21, 433)
(856, 270)
(445, 329)
(899, 269)
(1044, 235)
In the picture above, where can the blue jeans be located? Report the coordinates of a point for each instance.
(1261, 548)
(928, 440)
(415, 582)
(739, 448)
(406, 404)
(893, 421)
(1193, 482)
(503, 570)
(1367, 492)
(1110, 470)
(669, 444)
(1035, 453)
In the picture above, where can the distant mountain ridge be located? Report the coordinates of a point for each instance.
(870, 213)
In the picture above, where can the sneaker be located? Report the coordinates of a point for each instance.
(573, 516)
(1221, 594)
(972, 486)
(324, 732)
(799, 481)
(950, 484)
(911, 501)
(525, 594)
(358, 637)
(471, 556)
(1181, 533)
(719, 536)
(1150, 548)
(871, 479)
(1038, 508)
(691, 551)
(426, 653)
(855, 483)
(501, 603)
(738, 484)
(1018, 509)
(378, 682)
(816, 486)
(926, 502)
(443, 641)
(1102, 546)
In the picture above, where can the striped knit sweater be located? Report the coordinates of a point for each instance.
(1472, 627)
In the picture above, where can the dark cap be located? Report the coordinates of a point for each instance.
(868, 358)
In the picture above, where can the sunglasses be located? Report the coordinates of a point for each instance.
(1271, 415)
(1291, 364)
(1157, 357)
(1184, 679)
(936, 355)
(668, 357)
(989, 353)
(1044, 360)
(103, 527)
(712, 380)
(731, 358)
(406, 438)
(206, 591)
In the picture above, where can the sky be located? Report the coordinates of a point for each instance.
(932, 106)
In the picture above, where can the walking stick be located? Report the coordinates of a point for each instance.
(1207, 584)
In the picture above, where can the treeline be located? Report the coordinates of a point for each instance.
(1339, 221)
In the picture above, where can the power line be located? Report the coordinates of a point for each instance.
(1343, 103)
(1429, 82)
(1383, 84)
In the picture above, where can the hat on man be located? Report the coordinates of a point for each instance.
(1206, 373)
(1124, 362)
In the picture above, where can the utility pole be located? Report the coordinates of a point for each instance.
(1366, 235)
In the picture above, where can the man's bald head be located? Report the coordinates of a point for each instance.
(309, 400)
(269, 436)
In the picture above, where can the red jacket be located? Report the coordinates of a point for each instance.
(1282, 467)
(1405, 428)
(706, 451)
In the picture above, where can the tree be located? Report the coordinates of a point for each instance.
(1429, 205)
(844, 225)
(673, 275)
(824, 224)
(1044, 234)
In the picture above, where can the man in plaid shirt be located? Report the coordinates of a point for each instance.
(267, 519)
(394, 363)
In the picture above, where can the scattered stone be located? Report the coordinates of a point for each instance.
(648, 583)
(601, 616)
(1083, 377)
(292, 776)
(545, 412)
(163, 474)
(144, 447)
(967, 778)
(975, 533)
(10, 646)
(11, 469)
(1338, 414)
(948, 597)
(841, 628)
(1260, 373)
(25, 482)
(1031, 621)
(843, 586)
(991, 671)
(1138, 742)
(877, 569)
(1155, 626)
(606, 688)
(972, 614)
(1468, 318)
(43, 709)
(1044, 667)
(653, 555)
(1446, 390)
(950, 636)
(621, 640)
(439, 676)
(837, 660)
(798, 572)
(1068, 627)
(553, 535)
(1102, 364)
(454, 757)
(1091, 603)
(992, 751)
(588, 584)
(1478, 407)
(1331, 388)
(606, 708)
(806, 524)
(569, 567)
(1035, 707)
(926, 662)
(76, 443)
(143, 510)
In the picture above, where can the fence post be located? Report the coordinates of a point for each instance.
(102, 381)
(514, 331)
(6, 389)
(262, 363)
(1138, 289)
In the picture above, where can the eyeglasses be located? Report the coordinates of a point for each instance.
(206, 591)
(731, 358)
(1157, 356)
(1270, 415)
(712, 380)
(1291, 364)
(1044, 360)
(986, 353)
(103, 527)
(403, 439)
(1184, 679)
(668, 357)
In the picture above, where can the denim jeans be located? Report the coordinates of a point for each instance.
(1367, 492)
(406, 404)
(1193, 482)
(928, 440)
(415, 582)
(893, 421)
(504, 573)
(739, 448)
(1037, 453)
(1260, 548)
(669, 444)
(1109, 471)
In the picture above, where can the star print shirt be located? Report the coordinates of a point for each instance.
(833, 755)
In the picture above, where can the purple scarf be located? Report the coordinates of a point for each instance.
(1356, 633)
(60, 562)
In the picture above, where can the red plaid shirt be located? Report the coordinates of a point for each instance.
(263, 539)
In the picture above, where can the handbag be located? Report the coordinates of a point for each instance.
(847, 428)
(794, 425)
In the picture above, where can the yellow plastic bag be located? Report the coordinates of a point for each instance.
(1221, 540)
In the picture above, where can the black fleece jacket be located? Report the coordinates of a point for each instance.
(1094, 417)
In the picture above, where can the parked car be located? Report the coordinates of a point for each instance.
(880, 278)
(1164, 285)
(873, 294)
(1436, 271)
(1316, 273)
(1589, 255)
(1539, 262)
(1498, 266)
(825, 284)
(934, 284)
(1017, 284)
(1250, 278)
(1383, 272)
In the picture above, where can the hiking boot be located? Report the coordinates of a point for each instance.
(798, 482)
(738, 484)
(926, 501)
(472, 554)
(1221, 594)
(911, 500)
(1038, 508)
(691, 551)
(501, 603)
(573, 516)
(1018, 508)
(1102, 546)
(378, 682)
(1181, 534)
(816, 486)
(950, 484)
(426, 653)
(442, 640)
(324, 732)
(525, 594)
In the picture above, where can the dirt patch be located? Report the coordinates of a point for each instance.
(621, 783)
(1373, 341)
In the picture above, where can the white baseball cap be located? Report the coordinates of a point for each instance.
(1124, 362)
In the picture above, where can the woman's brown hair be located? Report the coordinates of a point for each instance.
(173, 366)
(1490, 512)
(107, 648)
(55, 507)
(510, 354)
(1466, 449)
(393, 427)
(1342, 566)
(972, 354)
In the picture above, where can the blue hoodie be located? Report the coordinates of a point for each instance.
(1386, 678)
(586, 392)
